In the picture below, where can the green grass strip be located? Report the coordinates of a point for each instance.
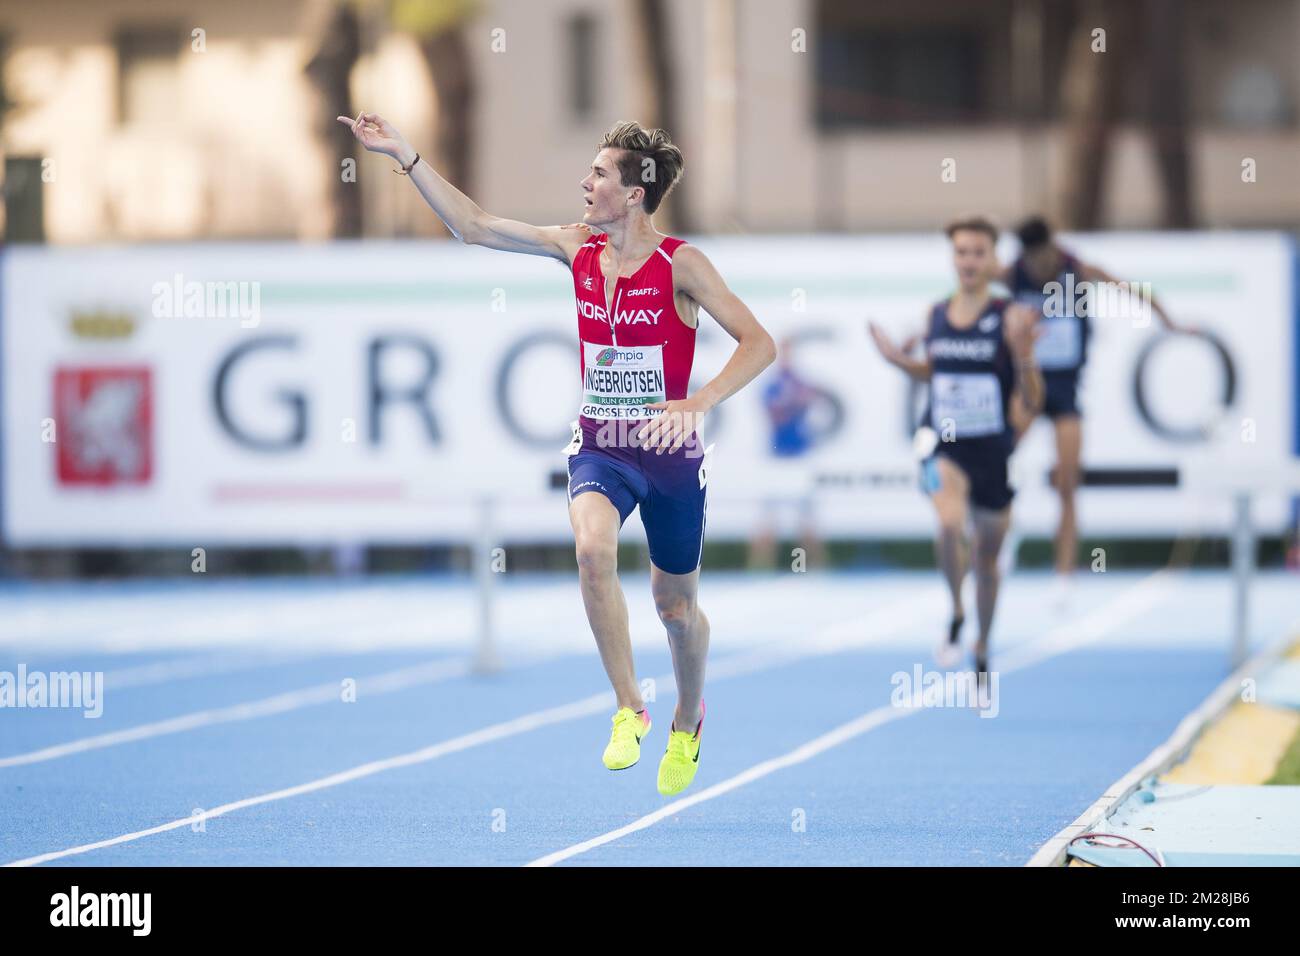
(1288, 768)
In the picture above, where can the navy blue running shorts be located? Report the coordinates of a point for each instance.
(668, 488)
(984, 461)
(1062, 394)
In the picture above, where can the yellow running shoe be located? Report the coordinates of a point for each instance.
(681, 759)
(624, 748)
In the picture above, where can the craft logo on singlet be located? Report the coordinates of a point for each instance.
(104, 418)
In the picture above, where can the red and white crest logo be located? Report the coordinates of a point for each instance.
(105, 425)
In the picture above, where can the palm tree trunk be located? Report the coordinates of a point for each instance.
(448, 60)
(652, 26)
(329, 70)
(1166, 65)
(1090, 89)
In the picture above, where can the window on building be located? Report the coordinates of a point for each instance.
(581, 57)
(897, 75)
(148, 74)
(24, 201)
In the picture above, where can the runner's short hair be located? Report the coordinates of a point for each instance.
(1034, 232)
(648, 159)
(972, 224)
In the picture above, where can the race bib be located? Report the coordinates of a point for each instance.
(618, 382)
(1060, 344)
(967, 403)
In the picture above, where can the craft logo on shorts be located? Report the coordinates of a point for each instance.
(105, 424)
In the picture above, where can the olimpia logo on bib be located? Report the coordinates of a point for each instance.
(609, 356)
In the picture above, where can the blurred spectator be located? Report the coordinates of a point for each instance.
(788, 401)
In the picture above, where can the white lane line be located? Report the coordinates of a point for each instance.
(859, 630)
(854, 728)
(581, 708)
(1134, 601)
(385, 683)
(281, 703)
(144, 675)
(328, 693)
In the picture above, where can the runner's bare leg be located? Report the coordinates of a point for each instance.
(990, 529)
(950, 539)
(676, 601)
(595, 531)
(1069, 441)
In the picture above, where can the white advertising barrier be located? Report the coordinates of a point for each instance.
(276, 393)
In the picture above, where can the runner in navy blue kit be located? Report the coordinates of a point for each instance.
(979, 362)
(635, 444)
(1062, 352)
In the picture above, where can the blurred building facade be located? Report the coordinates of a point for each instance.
(133, 120)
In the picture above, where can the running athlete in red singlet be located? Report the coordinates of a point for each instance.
(637, 316)
(635, 443)
(635, 354)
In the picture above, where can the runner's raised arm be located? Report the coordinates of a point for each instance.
(460, 214)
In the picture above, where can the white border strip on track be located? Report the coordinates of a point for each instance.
(1160, 760)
